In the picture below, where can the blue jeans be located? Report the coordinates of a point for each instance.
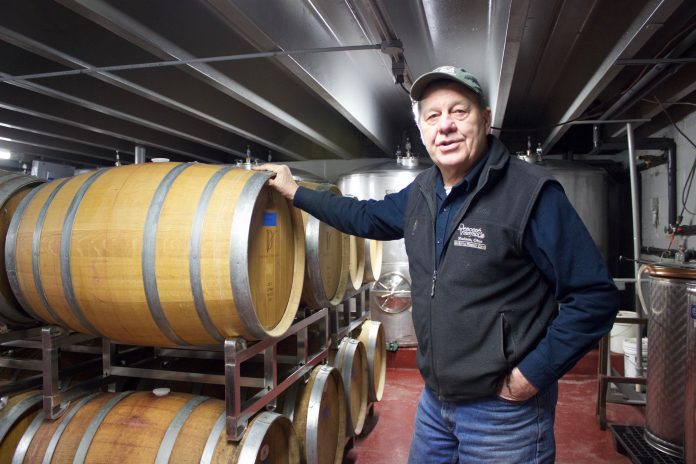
(489, 430)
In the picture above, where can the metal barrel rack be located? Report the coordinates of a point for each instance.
(253, 374)
(246, 394)
(54, 382)
(113, 361)
(347, 316)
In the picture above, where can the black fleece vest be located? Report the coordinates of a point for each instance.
(487, 305)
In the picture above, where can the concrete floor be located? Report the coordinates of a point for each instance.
(579, 440)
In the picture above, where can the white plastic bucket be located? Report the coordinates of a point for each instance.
(631, 355)
(621, 331)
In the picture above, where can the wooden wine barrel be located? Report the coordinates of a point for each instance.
(159, 254)
(318, 412)
(327, 252)
(372, 336)
(13, 188)
(351, 362)
(141, 427)
(17, 411)
(373, 261)
(356, 266)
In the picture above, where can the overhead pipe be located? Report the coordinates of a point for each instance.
(644, 61)
(387, 47)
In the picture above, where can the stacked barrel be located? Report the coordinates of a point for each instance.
(13, 188)
(327, 254)
(178, 255)
(361, 360)
(180, 428)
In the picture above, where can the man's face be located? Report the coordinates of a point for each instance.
(453, 128)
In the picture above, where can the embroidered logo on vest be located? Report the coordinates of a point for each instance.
(415, 226)
(470, 237)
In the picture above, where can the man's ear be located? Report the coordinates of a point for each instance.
(487, 117)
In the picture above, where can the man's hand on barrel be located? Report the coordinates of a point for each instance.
(282, 181)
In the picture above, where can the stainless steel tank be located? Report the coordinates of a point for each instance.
(588, 191)
(302, 175)
(666, 377)
(390, 296)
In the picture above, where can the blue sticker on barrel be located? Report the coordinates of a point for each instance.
(269, 219)
(693, 311)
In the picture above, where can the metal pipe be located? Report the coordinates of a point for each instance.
(635, 202)
(213, 59)
(596, 136)
(672, 182)
(139, 154)
(642, 62)
(606, 121)
(635, 210)
(655, 251)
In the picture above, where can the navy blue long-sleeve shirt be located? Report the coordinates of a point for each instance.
(555, 238)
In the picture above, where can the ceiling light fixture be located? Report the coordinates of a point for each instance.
(5, 154)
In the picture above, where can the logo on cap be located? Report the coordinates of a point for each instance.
(446, 69)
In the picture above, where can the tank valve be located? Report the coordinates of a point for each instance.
(409, 160)
(529, 155)
(248, 160)
(399, 155)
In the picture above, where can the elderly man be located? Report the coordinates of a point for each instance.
(508, 290)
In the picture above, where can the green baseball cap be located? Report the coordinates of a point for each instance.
(450, 73)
